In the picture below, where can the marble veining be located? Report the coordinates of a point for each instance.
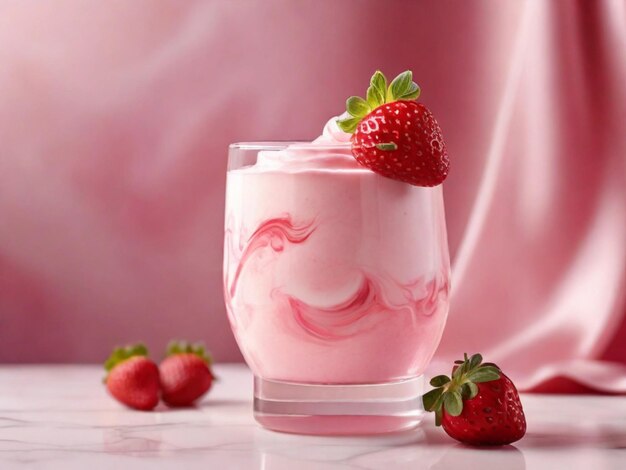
(60, 417)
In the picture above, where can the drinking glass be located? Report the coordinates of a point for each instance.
(336, 284)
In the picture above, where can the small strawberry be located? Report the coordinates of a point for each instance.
(132, 378)
(395, 136)
(185, 373)
(486, 414)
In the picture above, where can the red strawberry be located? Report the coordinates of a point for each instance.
(394, 135)
(185, 374)
(486, 414)
(132, 378)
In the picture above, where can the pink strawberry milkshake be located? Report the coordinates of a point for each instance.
(332, 273)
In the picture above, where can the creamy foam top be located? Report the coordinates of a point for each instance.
(329, 151)
(332, 134)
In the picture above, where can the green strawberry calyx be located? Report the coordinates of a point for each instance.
(185, 347)
(122, 353)
(401, 88)
(449, 392)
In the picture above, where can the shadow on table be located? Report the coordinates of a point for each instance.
(504, 457)
(565, 437)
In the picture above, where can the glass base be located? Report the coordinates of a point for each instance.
(338, 409)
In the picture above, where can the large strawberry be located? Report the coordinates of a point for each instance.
(479, 405)
(185, 373)
(395, 136)
(132, 378)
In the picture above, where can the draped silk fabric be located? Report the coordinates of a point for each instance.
(115, 119)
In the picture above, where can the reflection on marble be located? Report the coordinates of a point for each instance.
(59, 417)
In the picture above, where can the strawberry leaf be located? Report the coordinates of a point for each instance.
(460, 370)
(490, 367)
(357, 106)
(438, 408)
(412, 93)
(475, 361)
(400, 86)
(185, 347)
(439, 380)
(491, 364)
(371, 98)
(348, 125)
(378, 84)
(473, 389)
(484, 374)
(453, 403)
(469, 390)
(120, 354)
(374, 100)
(430, 399)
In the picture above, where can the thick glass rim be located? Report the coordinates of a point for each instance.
(282, 144)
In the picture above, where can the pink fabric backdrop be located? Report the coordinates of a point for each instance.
(114, 122)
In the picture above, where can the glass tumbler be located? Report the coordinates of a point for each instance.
(336, 284)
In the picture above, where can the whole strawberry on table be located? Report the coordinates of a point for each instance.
(394, 135)
(185, 373)
(181, 379)
(132, 378)
(477, 405)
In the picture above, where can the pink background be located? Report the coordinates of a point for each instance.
(115, 119)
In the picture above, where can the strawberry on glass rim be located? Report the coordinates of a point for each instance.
(394, 135)
(478, 405)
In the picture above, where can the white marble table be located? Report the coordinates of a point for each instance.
(60, 417)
